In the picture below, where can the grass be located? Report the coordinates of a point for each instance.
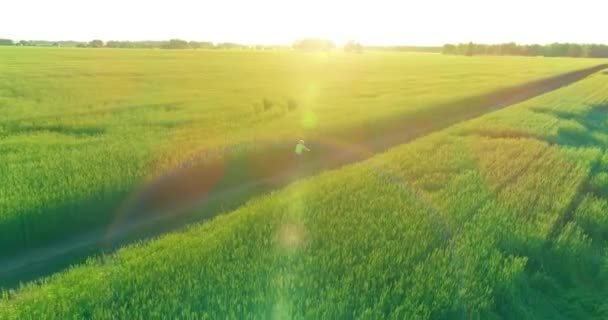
(499, 217)
(82, 129)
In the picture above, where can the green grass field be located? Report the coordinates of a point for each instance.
(82, 129)
(501, 217)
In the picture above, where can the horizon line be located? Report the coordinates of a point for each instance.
(246, 43)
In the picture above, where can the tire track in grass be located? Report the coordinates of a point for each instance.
(43, 261)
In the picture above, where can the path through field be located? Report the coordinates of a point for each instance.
(202, 190)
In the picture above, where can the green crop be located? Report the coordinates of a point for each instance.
(83, 129)
(503, 216)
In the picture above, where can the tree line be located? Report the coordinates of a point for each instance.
(309, 44)
(513, 49)
(306, 44)
(168, 44)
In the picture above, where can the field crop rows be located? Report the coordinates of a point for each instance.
(82, 129)
(500, 217)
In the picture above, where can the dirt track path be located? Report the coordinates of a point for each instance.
(212, 188)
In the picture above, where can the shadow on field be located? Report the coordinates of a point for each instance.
(590, 129)
(566, 267)
(211, 185)
(562, 281)
(583, 130)
(564, 276)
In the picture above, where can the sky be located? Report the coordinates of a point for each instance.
(372, 22)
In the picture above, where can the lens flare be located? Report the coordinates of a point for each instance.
(309, 120)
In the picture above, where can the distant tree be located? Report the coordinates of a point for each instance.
(200, 45)
(480, 49)
(556, 50)
(509, 49)
(229, 45)
(69, 43)
(535, 50)
(176, 44)
(113, 44)
(470, 49)
(551, 50)
(6, 42)
(493, 50)
(584, 51)
(206, 45)
(597, 51)
(449, 49)
(146, 44)
(575, 50)
(96, 44)
(194, 45)
(42, 43)
(353, 46)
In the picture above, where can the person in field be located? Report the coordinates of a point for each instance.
(300, 149)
